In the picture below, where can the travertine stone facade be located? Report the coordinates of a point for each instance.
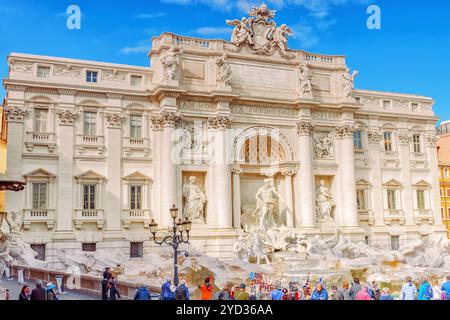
(103, 158)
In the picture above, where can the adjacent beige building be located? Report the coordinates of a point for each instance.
(105, 148)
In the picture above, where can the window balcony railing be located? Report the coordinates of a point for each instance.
(40, 139)
(391, 215)
(130, 216)
(46, 216)
(140, 145)
(423, 215)
(89, 216)
(390, 155)
(366, 215)
(90, 142)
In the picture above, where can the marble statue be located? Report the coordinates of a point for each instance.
(171, 61)
(5, 252)
(241, 33)
(195, 200)
(349, 83)
(267, 199)
(323, 145)
(305, 80)
(224, 72)
(324, 203)
(261, 33)
(258, 249)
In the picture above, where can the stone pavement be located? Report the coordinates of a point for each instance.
(14, 289)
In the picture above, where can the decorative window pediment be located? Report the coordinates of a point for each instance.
(393, 184)
(137, 177)
(90, 176)
(363, 184)
(39, 175)
(422, 184)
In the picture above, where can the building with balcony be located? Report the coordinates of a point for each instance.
(105, 148)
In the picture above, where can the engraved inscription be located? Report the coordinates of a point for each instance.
(263, 77)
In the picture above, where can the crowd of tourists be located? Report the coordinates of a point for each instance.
(276, 290)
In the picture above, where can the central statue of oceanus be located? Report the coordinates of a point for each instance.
(261, 33)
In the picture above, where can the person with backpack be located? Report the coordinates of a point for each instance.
(166, 290)
(142, 293)
(446, 289)
(425, 290)
(112, 291)
(224, 294)
(242, 294)
(409, 290)
(182, 292)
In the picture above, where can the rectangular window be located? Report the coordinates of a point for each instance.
(446, 173)
(391, 199)
(441, 191)
(358, 139)
(89, 197)
(88, 247)
(91, 76)
(40, 250)
(136, 81)
(40, 120)
(367, 240)
(136, 250)
(43, 72)
(395, 243)
(358, 100)
(388, 141)
(417, 144)
(361, 199)
(386, 104)
(421, 199)
(39, 196)
(448, 192)
(136, 126)
(414, 107)
(135, 197)
(90, 123)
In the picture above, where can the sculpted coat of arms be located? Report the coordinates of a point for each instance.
(261, 33)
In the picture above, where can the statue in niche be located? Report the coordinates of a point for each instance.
(171, 61)
(305, 80)
(267, 199)
(324, 203)
(224, 72)
(195, 200)
(323, 146)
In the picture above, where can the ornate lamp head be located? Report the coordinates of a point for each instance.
(153, 227)
(174, 212)
(180, 226)
(187, 225)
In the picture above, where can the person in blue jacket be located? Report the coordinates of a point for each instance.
(320, 293)
(182, 292)
(425, 290)
(277, 294)
(166, 291)
(142, 293)
(446, 289)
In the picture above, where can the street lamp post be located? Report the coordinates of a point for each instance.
(177, 236)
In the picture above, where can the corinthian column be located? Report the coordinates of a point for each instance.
(221, 172)
(305, 179)
(288, 174)
(168, 121)
(347, 175)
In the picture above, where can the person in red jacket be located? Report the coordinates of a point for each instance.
(207, 289)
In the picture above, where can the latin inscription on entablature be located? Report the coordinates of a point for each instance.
(263, 77)
(265, 111)
(321, 83)
(325, 115)
(193, 70)
(197, 106)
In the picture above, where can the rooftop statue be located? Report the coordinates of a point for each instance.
(261, 33)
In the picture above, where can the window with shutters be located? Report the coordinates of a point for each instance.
(136, 250)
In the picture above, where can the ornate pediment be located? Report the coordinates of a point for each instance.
(90, 175)
(136, 176)
(260, 33)
(39, 174)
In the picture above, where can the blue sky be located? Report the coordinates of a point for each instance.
(410, 54)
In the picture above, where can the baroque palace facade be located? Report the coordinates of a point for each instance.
(105, 148)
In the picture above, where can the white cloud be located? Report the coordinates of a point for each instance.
(142, 46)
(151, 15)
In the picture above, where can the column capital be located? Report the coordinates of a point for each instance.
(220, 122)
(15, 113)
(166, 119)
(290, 171)
(404, 138)
(66, 117)
(305, 127)
(431, 140)
(114, 120)
(345, 130)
